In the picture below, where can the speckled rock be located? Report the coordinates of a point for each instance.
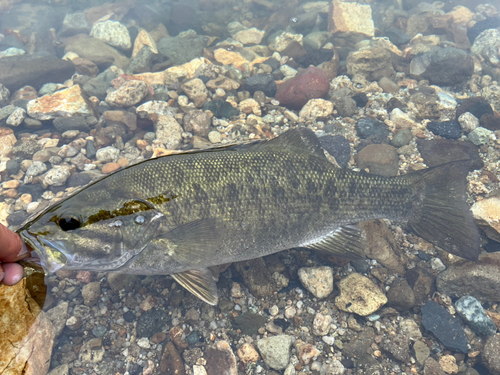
(107, 154)
(473, 313)
(4, 95)
(113, 33)
(65, 103)
(16, 118)
(446, 129)
(36, 168)
(58, 315)
(480, 136)
(196, 91)
(197, 122)
(249, 36)
(398, 346)
(359, 295)
(257, 277)
(128, 94)
(445, 327)
(56, 176)
(275, 351)
(317, 280)
(315, 108)
(468, 121)
(168, 132)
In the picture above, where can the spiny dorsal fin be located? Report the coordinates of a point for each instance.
(199, 282)
(299, 139)
(345, 242)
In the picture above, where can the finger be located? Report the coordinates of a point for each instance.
(13, 272)
(12, 248)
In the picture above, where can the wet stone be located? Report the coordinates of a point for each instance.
(221, 360)
(275, 351)
(491, 354)
(257, 277)
(442, 151)
(317, 280)
(477, 106)
(480, 136)
(368, 127)
(432, 367)
(171, 362)
(221, 109)
(445, 327)
(99, 331)
(398, 346)
(359, 295)
(261, 82)
(91, 293)
(446, 129)
(402, 138)
(379, 159)
(249, 323)
(151, 322)
(338, 147)
(473, 313)
(400, 296)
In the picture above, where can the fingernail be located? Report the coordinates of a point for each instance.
(15, 279)
(24, 250)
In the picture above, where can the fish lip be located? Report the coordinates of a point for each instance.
(48, 263)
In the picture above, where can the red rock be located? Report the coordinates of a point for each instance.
(84, 276)
(309, 84)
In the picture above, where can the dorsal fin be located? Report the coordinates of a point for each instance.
(299, 139)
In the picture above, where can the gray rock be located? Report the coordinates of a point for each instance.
(118, 281)
(7, 110)
(36, 168)
(168, 132)
(128, 94)
(480, 136)
(75, 23)
(275, 351)
(445, 327)
(380, 159)
(401, 296)
(60, 370)
(151, 322)
(402, 138)
(485, 43)
(47, 89)
(4, 95)
(98, 86)
(398, 346)
(64, 124)
(91, 293)
(197, 122)
(107, 154)
(196, 91)
(17, 117)
(317, 280)
(473, 313)
(182, 48)
(478, 279)
(432, 367)
(491, 354)
(58, 316)
(113, 33)
(422, 352)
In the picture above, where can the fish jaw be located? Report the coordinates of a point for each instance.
(51, 253)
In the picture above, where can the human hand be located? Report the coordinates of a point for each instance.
(12, 249)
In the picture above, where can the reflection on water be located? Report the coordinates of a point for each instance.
(88, 88)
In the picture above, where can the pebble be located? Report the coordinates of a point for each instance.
(315, 108)
(367, 127)
(468, 121)
(248, 353)
(128, 94)
(437, 265)
(491, 353)
(221, 359)
(321, 324)
(449, 364)
(249, 36)
(168, 132)
(36, 168)
(470, 309)
(151, 322)
(359, 295)
(91, 293)
(422, 352)
(480, 280)
(445, 327)
(261, 82)
(196, 90)
(275, 351)
(107, 154)
(379, 159)
(113, 33)
(58, 316)
(143, 342)
(446, 129)
(338, 147)
(56, 176)
(317, 280)
(214, 136)
(480, 136)
(16, 118)
(110, 167)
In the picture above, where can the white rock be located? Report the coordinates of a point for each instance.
(168, 132)
(315, 108)
(468, 122)
(56, 176)
(17, 117)
(107, 154)
(36, 168)
(143, 342)
(214, 136)
(113, 33)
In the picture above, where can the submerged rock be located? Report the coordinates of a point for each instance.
(474, 314)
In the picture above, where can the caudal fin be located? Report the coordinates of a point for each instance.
(441, 215)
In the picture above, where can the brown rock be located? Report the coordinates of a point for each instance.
(12, 184)
(65, 103)
(380, 159)
(257, 277)
(311, 83)
(122, 117)
(26, 334)
(360, 295)
(144, 39)
(128, 94)
(110, 167)
(171, 362)
(24, 93)
(223, 82)
(176, 334)
(123, 162)
(221, 360)
(197, 122)
(352, 18)
(382, 246)
(248, 353)
(401, 296)
(486, 214)
(7, 140)
(431, 367)
(226, 57)
(422, 283)
(159, 337)
(85, 67)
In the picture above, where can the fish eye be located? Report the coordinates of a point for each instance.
(69, 223)
(139, 219)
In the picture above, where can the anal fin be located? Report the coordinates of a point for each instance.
(345, 242)
(199, 282)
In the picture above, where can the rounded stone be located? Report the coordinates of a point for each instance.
(317, 280)
(360, 295)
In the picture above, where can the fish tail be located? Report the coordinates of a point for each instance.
(440, 212)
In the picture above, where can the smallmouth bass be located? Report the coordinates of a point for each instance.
(180, 214)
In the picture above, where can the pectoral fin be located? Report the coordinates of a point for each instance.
(345, 242)
(196, 242)
(199, 282)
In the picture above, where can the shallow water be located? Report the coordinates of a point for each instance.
(88, 88)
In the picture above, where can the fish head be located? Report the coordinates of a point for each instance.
(71, 235)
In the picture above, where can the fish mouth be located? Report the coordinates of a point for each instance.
(50, 253)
